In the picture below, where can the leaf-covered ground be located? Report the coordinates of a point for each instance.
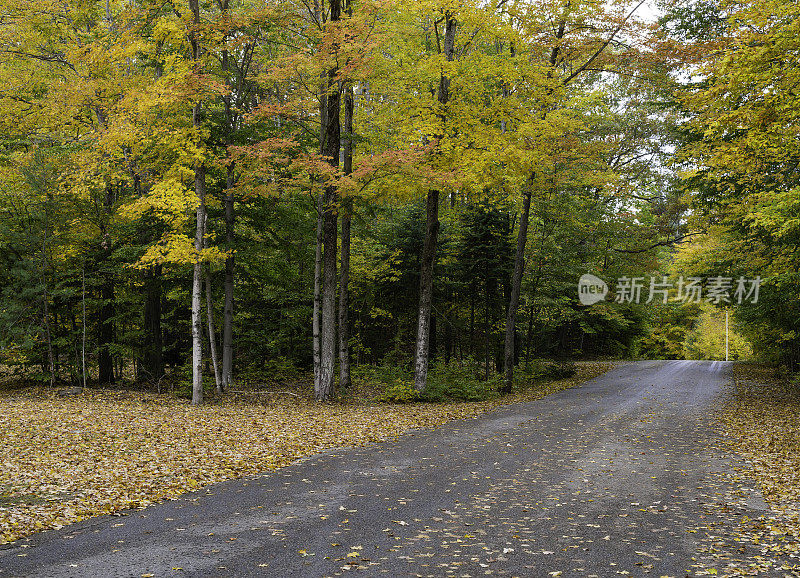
(69, 458)
(761, 422)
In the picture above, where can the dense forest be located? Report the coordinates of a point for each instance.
(231, 190)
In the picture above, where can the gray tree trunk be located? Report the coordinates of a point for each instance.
(46, 298)
(328, 333)
(330, 219)
(344, 278)
(105, 332)
(232, 106)
(197, 277)
(197, 287)
(151, 365)
(51, 368)
(227, 315)
(83, 324)
(315, 325)
(431, 230)
(516, 285)
(212, 336)
(426, 290)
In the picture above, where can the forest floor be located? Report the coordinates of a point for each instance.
(761, 422)
(65, 459)
(629, 474)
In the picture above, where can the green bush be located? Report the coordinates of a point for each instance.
(378, 374)
(181, 382)
(445, 383)
(399, 391)
(558, 369)
(527, 372)
(459, 383)
(276, 370)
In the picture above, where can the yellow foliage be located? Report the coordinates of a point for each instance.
(178, 249)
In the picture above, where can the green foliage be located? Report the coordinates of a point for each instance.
(741, 153)
(557, 370)
(454, 382)
(667, 328)
(707, 339)
(459, 383)
(544, 369)
(97, 171)
(399, 391)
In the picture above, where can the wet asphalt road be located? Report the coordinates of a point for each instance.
(617, 477)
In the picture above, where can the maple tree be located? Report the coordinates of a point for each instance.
(177, 160)
(740, 156)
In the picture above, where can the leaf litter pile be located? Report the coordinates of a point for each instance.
(761, 423)
(103, 451)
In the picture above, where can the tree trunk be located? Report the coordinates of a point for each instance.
(330, 219)
(46, 298)
(151, 366)
(315, 325)
(487, 329)
(426, 290)
(432, 227)
(200, 191)
(344, 278)
(516, 285)
(197, 289)
(471, 316)
(448, 340)
(83, 328)
(48, 338)
(56, 349)
(212, 336)
(105, 331)
(227, 315)
(232, 116)
(328, 334)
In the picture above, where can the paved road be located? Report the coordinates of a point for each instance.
(616, 477)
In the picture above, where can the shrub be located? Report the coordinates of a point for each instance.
(457, 383)
(558, 369)
(399, 391)
(381, 374)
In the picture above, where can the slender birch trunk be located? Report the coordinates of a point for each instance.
(212, 336)
(197, 287)
(200, 191)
